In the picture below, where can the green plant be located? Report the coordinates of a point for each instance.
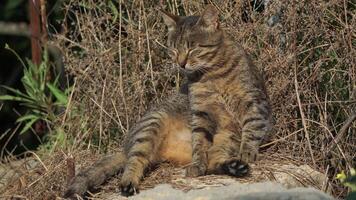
(57, 139)
(38, 94)
(349, 181)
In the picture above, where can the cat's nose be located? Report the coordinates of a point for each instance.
(182, 61)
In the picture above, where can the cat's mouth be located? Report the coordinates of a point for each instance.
(193, 74)
(187, 71)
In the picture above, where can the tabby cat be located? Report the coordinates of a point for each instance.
(215, 124)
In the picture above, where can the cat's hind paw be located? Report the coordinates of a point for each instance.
(195, 170)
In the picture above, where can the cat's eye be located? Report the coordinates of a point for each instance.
(173, 52)
(190, 44)
(207, 45)
(193, 51)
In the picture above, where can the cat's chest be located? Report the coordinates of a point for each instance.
(224, 101)
(215, 89)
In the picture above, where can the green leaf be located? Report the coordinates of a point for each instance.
(27, 117)
(68, 90)
(351, 185)
(341, 176)
(28, 125)
(38, 111)
(348, 181)
(43, 74)
(60, 96)
(16, 91)
(114, 11)
(13, 98)
(7, 97)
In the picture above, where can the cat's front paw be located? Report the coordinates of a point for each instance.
(195, 170)
(248, 153)
(248, 157)
(128, 188)
(235, 167)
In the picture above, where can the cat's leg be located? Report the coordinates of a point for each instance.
(221, 155)
(256, 125)
(143, 145)
(144, 141)
(203, 129)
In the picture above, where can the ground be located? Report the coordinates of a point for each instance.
(32, 178)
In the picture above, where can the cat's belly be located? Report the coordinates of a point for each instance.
(176, 146)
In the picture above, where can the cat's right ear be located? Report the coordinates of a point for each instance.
(170, 20)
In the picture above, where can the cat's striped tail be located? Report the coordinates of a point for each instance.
(95, 175)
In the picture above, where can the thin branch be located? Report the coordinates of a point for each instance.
(34, 7)
(341, 134)
(43, 22)
(295, 60)
(303, 118)
(280, 139)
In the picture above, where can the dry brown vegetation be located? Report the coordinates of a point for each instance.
(121, 67)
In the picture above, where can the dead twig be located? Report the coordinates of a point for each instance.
(70, 169)
(343, 130)
(303, 119)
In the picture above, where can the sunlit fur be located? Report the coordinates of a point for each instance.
(230, 110)
(214, 125)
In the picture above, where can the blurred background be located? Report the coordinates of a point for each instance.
(17, 20)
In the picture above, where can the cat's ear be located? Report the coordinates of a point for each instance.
(210, 17)
(170, 20)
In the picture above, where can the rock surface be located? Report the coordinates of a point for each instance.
(236, 191)
(292, 176)
(13, 170)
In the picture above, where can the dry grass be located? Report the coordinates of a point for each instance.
(121, 67)
(48, 179)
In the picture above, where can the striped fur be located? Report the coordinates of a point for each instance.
(216, 123)
(162, 134)
(229, 105)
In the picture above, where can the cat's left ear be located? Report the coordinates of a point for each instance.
(170, 20)
(210, 17)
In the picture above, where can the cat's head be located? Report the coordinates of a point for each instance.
(194, 41)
